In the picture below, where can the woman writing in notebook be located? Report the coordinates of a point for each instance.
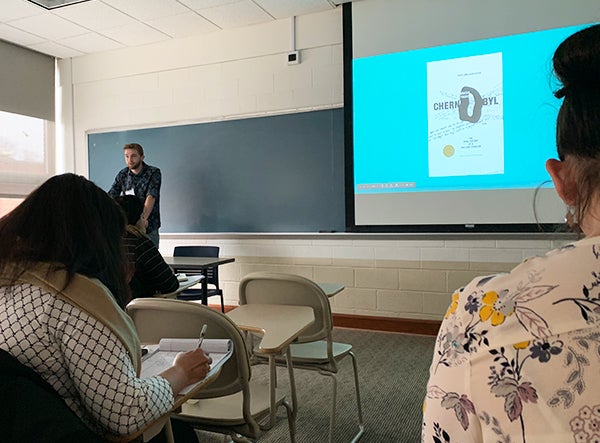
(62, 294)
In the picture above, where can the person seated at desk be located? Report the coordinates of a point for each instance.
(517, 357)
(63, 292)
(151, 274)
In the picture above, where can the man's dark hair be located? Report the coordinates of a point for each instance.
(131, 206)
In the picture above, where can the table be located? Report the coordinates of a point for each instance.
(197, 264)
(279, 326)
(190, 281)
(330, 289)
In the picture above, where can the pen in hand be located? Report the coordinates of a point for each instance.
(202, 332)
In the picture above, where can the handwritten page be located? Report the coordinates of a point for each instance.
(160, 357)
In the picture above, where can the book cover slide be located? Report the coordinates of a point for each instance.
(161, 356)
(465, 116)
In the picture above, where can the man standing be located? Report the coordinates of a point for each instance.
(144, 182)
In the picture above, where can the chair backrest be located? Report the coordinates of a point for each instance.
(290, 289)
(32, 411)
(212, 274)
(156, 318)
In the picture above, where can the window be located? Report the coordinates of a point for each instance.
(25, 144)
(8, 204)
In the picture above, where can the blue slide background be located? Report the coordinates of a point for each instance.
(390, 114)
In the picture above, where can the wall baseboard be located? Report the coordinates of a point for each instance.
(387, 324)
(384, 324)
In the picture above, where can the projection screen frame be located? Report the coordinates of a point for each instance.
(510, 228)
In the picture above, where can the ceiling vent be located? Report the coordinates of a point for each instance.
(53, 4)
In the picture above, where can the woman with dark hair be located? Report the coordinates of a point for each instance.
(62, 294)
(69, 223)
(151, 274)
(517, 354)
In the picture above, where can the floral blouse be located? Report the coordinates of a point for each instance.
(517, 358)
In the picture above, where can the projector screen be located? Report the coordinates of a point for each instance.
(450, 113)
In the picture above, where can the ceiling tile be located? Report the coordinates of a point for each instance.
(232, 15)
(17, 36)
(49, 26)
(94, 15)
(148, 9)
(55, 49)
(135, 34)
(288, 8)
(97, 25)
(15, 9)
(183, 25)
(90, 43)
(202, 4)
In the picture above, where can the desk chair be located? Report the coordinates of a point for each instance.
(233, 404)
(31, 411)
(212, 274)
(314, 350)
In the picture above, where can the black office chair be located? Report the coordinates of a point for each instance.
(212, 274)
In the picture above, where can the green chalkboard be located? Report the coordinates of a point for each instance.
(279, 173)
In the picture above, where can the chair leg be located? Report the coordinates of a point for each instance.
(291, 421)
(290, 367)
(272, 386)
(333, 402)
(169, 432)
(249, 339)
(361, 426)
(222, 305)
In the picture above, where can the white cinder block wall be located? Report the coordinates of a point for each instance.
(392, 277)
(243, 73)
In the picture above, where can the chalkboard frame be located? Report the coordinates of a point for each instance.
(276, 173)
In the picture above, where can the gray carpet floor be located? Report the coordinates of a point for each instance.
(393, 371)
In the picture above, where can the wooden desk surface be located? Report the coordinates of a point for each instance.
(278, 324)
